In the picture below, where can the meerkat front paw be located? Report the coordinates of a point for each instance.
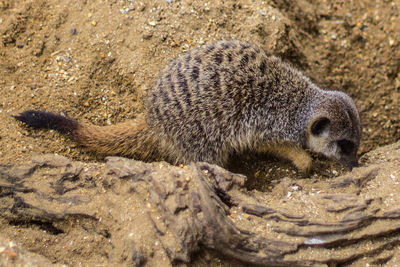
(303, 162)
(300, 158)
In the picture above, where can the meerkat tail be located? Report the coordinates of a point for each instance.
(48, 120)
(131, 138)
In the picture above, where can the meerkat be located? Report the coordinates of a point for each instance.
(224, 98)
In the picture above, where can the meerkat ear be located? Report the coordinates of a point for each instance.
(320, 126)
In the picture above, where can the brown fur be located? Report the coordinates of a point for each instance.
(131, 138)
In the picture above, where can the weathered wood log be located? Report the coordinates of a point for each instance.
(125, 211)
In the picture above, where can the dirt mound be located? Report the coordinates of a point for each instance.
(131, 212)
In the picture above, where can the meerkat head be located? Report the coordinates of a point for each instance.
(335, 128)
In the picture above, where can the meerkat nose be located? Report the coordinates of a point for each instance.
(349, 162)
(352, 163)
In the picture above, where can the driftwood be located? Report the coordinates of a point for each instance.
(131, 212)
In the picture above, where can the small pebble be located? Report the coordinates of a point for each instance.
(147, 36)
(10, 253)
(20, 44)
(73, 31)
(124, 10)
(296, 187)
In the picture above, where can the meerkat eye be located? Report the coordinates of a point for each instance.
(320, 127)
(346, 146)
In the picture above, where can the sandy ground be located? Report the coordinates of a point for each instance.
(93, 60)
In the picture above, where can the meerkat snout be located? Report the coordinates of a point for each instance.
(336, 132)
